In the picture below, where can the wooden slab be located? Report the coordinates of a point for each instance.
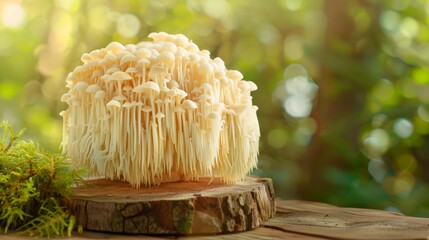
(331, 222)
(306, 221)
(201, 207)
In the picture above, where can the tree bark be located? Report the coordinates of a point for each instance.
(174, 208)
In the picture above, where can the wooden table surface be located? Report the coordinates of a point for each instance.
(307, 221)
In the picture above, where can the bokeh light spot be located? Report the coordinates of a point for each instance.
(389, 20)
(295, 70)
(377, 169)
(409, 27)
(297, 106)
(128, 25)
(71, 5)
(423, 113)
(293, 5)
(301, 86)
(376, 142)
(403, 184)
(420, 76)
(217, 8)
(268, 34)
(13, 15)
(296, 92)
(403, 128)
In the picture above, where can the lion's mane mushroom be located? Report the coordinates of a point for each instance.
(159, 111)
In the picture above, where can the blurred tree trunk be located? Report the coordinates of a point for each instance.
(341, 106)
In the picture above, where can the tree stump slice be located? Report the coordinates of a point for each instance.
(201, 207)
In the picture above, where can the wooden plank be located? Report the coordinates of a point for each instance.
(201, 207)
(329, 221)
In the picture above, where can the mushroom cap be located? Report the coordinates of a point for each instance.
(120, 76)
(150, 87)
(81, 86)
(113, 104)
(234, 75)
(92, 88)
(110, 57)
(206, 86)
(100, 94)
(144, 61)
(196, 90)
(90, 64)
(253, 86)
(171, 93)
(158, 36)
(79, 69)
(147, 108)
(126, 105)
(143, 53)
(179, 109)
(173, 84)
(113, 70)
(181, 40)
(155, 71)
(205, 68)
(139, 88)
(134, 103)
(128, 58)
(167, 57)
(130, 47)
(205, 98)
(131, 70)
(105, 77)
(115, 47)
(65, 97)
(127, 88)
(213, 115)
(70, 78)
(62, 113)
(180, 93)
(86, 57)
(119, 98)
(169, 47)
(181, 52)
(160, 115)
(189, 104)
(97, 73)
(239, 108)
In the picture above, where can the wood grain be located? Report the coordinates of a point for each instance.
(329, 221)
(301, 220)
(201, 207)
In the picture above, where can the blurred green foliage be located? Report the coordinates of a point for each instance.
(365, 142)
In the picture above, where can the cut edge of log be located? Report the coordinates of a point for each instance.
(184, 208)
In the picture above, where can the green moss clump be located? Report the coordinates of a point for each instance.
(32, 184)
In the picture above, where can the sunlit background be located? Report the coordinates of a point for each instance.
(343, 85)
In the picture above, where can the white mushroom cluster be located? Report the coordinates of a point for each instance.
(159, 111)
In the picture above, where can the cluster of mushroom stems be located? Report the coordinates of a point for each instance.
(157, 111)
